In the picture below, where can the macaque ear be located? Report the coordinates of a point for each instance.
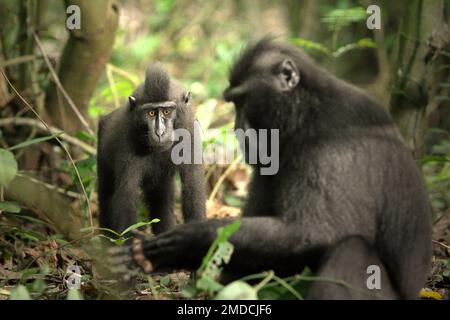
(132, 101)
(288, 75)
(187, 97)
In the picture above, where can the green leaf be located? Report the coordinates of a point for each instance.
(209, 285)
(237, 290)
(29, 235)
(39, 286)
(223, 234)
(19, 293)
(338, 18)
(308, 44)
(34, 141)
(74, 294)
(85, 136)
(32, 219)
(8, 167)
(233, 201)
(27, 273)
(90, 229)
(366, 43)
(10, 206)
(118, 241)
(138, 225)
(434, 158)
(360, 44)
(188, 292)
(165, 281)
(219, 253)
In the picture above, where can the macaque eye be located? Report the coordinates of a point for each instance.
(167, 112)
(152, 113)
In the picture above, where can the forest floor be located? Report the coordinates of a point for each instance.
(31, 255)
(439, 278)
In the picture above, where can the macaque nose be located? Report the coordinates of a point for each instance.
(160, 127)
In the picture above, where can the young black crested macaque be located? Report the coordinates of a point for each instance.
(348, 200)
(134, 153)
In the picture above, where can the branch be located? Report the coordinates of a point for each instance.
(52, 130)
(61, 88)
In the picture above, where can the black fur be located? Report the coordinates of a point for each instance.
(130, 158)
(347, 194)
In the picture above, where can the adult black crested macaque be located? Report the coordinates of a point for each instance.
(134, 153)
(347, 196)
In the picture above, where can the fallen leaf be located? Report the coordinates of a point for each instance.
(425, 294)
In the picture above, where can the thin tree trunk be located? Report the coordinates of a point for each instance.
(302, 18)
(412, 86)
(82, 61)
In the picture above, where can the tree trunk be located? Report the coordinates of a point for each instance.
(302, 18)
(413, 87)
(82, 61)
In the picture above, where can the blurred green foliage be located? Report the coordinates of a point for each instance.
(336, 19)
(436, 167)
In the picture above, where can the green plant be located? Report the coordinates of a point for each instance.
(446, 272)
(9, 167)
(336, 20)
(121, 239)
(436, 168)
(209, 272)
(211, 268)
(20, 293)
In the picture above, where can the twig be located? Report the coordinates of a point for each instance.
(132, 78)
(442, 244)
(265, 281)
(112, 85)
(60, 86)
(222, 178)
(59, 141)
(52, 130)
(210, 172)
(288, 287)
(17, 60)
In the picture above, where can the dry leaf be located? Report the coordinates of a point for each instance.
(428, 294)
